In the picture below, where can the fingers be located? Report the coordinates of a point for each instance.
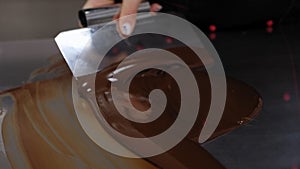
(155, 7)
(127, 23)
(129, 7)
(97, 3)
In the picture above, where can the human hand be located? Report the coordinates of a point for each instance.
(126, 24)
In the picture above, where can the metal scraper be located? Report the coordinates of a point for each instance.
(72, 43)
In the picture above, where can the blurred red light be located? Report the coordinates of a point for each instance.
(294, 167)
(139, 47)
(269, 29)
(286, 96)
(270, 23)
(115, 50)
(169, 40)
(212, 36)
(212, 28)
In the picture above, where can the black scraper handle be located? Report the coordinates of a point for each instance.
(95, 16)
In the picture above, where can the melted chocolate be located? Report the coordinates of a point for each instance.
(43, 130)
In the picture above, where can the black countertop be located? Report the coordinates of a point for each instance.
(270, 62)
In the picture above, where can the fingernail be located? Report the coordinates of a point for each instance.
(158, 8)
(126, 29)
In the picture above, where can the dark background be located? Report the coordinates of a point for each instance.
(36, 19)
(40, 19)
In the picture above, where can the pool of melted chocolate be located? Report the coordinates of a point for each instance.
(42, 130)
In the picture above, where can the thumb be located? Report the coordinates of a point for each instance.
(127, 23)
(97, 3)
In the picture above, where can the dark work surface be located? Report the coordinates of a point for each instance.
(270, 62)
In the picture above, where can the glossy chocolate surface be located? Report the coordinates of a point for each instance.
(43, 131)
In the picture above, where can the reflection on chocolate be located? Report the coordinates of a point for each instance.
(43, 132)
